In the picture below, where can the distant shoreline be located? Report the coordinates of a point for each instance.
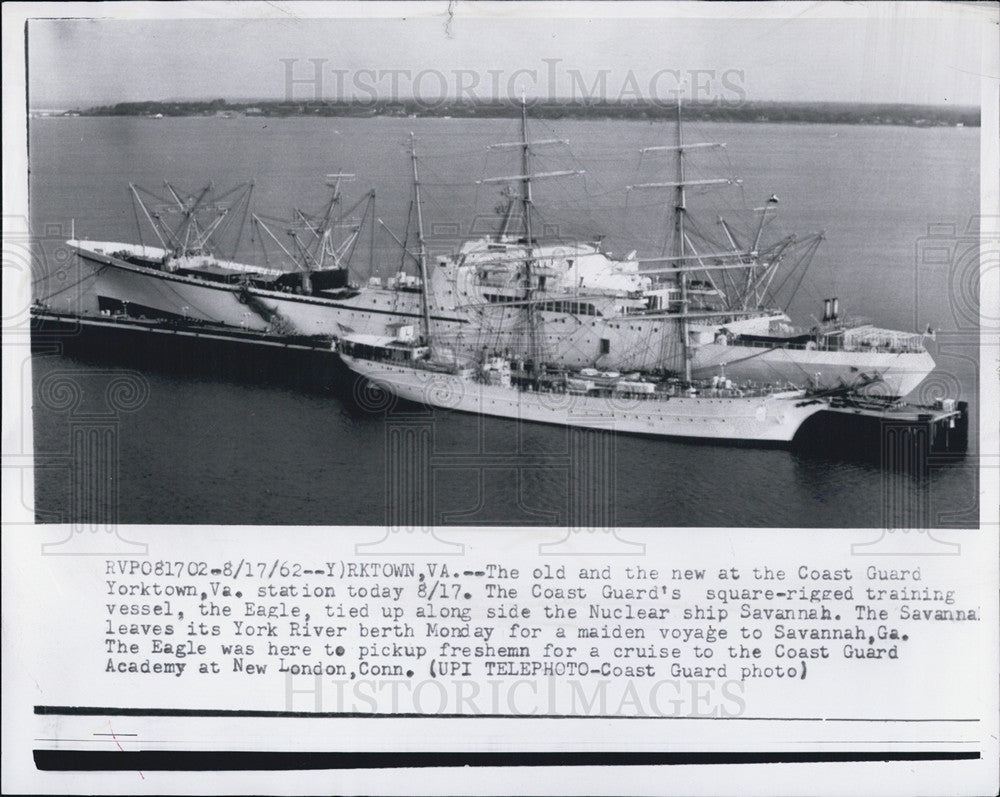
(813, 112)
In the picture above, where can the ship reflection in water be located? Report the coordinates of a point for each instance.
(219, 438)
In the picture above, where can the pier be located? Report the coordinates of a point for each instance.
(889, 432)
(304, 361)
(893, 433)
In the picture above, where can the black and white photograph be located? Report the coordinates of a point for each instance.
(503, 244)
(679, 275)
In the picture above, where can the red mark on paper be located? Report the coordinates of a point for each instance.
(120, 746)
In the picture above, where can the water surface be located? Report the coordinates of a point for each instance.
(208, 448)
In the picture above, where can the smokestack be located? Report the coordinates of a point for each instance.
(827, 309)
(836, 309)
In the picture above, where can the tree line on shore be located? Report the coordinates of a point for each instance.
(802, 112)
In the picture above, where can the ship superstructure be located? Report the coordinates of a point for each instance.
(691, 312)
(522, 384)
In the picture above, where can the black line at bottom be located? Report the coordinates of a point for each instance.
(132, 711)
(195, 760)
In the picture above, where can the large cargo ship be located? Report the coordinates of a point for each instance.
(585, 308)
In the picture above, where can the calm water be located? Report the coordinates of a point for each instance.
(210, 449)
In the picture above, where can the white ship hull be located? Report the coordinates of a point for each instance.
(174, 295)
(771, 419)
(565, 339)
(370, 312)
(632, 343)
(900, 372)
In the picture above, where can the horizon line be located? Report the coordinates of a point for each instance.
(433, 102)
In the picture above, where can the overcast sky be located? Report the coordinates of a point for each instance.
(886, 54)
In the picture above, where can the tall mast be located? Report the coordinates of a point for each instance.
(679, 211)
(681, 247)
(421, 245)
(525, 172)
(526, 205)
(525, 179)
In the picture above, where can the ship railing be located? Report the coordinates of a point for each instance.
(902, 347)
(542, 383)
(877, 338)
(913, 345)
